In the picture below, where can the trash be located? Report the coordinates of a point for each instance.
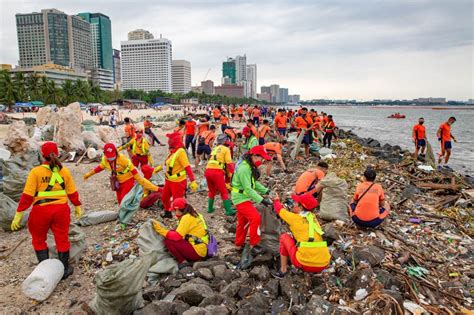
(325, 151)
(414, 308)
(43, 280)
(270, 227)
(109, 257)
(92, 153)
(16, 170)
(77, 238)
(426, 168)
(130, 204)
(4, 154)
(97, 217)
(334, 199)
(418, 272)
(360, 294)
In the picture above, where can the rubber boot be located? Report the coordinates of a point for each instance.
(228, 207)
(167, 215)
(42, 255)
(210, 205)
(64, 258)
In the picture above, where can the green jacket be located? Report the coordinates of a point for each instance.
(244, 186)
(252, 142)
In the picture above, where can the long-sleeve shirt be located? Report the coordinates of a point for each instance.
(181, 167)
(244, 186)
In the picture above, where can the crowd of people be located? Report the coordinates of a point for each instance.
(232, 158)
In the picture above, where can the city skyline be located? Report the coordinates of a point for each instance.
(390, 50)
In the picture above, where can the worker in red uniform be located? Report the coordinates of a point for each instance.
(190, 134)
(48, 188)
(304, 247)
(304, 123)
(123, 173)
(329, 128)
(177, 168)
(308, 182)
(246, 190)
(140, 150)
(219, 170)
(368, 207)
(275, 151)
(263, 130)
(444, 135)
(419, 137)
(149, 198)
(188, 242)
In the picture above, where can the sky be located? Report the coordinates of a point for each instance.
(335, 49)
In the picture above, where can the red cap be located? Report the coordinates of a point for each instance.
(260, 151)
(147, 171)
(307, 200)
(178, 203)
(175, 140)
(49, 147)
(246, 132)
(110, 151)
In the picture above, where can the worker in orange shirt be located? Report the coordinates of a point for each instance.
(368, 207)
(177, 167)
(329, 128)
(147, 125)
(304, 123)
(123, 173)
(256, 115)
(253, 129)
(129, 130)
(444, 135)
(275, 151)
(181, 128)
(48, 188)
(190, 134)
(216, 113)
(140, 150)
(240, 112)
(219, 170)
(224, 122)
(309, 181)
(205, 143)
(263, 130)
(419, 137)
(280, 124)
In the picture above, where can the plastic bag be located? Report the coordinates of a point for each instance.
(334, 202)
(130, 204)
(119, 286)
(270, 228)
(7, 212)
(77, 238)
(97, 217)
(15, 172)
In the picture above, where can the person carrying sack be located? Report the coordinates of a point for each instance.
(48, 188)
(123, 173)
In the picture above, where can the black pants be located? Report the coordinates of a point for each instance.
(327, 139)
(152, 135)
(190, 141)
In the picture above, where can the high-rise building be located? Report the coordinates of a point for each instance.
(229, 71)
(80, 42)
(265, 89)
(275, 92)
(283, 96)
(146, 64)
(240, 69)
(294, 99)
(252, 78)
(101, 31)
(231, 90)
(264, 97)
(208, 87)
(139, 34)
(117, 70)
(102, 77)
(181, 76)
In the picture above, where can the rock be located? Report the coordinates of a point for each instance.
(215, 299)
(360, 279)
(179, 307)
(46, 116)
(272, 287)
(387, 147)
(331, 233)
(245, 290)
(317, 305)
(396, 148)
(92, 139)
(217, 310)
(187, 273)
(153, 293)
(257, 301)
(373, 255)
(206, 264)
(396, 295)
(360, 294)
(279, 306)
(409, 191)
(231, 289)
(158, 307)
(373, 143)
(221, 272)
(260, 272)
(18, 140)
(288, 289)
(387, 280)
(69, 135)
(193, 293)
(205, 273)
(109, 135)
(195, 311)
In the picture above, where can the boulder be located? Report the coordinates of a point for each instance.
(205, 273)
(92, 139)
(317, 305)
(231, 289)
(109, 135)
(279, 306)
(260, 272)
(46, 116)
(217, 310)
(195, 311)
(193, 293)
(157, 307)
(18, 139)
(214, 299)
(409, 191)
(222, 273)
(272, 288)
(373, 255)
(69, 135)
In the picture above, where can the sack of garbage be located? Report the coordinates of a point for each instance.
(7, 212)
(130, 204)
(119, 286)
(77, 238)
(314, 147)
(43, 280)
(150, 241)
(325, 151)
(97, 217)
(91, 139)
(15, 172)
(270, 228)
(334, 199)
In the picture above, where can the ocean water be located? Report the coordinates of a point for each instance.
(373, 122)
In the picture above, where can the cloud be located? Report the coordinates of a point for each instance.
(334, 49)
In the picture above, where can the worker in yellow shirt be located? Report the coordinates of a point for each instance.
(123, 173)
(177, 167)
(188, 242)
(140, 149)
(219, 170)
(48, 188)
(305, 246)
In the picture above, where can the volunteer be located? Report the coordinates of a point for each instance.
(150, 198)
(147, 124)
(240, 111)
(124, 174)
(444, 135)
(190, 127)
(303, 123)
(368, 207)
(129, 130)
(256, 115)
(419, 137)
(181, 128)
(246, 190)
(329, 128)
(140, 150)
(250, 140)
(219, 168)
(280, 124)
(48, 188)
(216, 114)
(263, 130)
(309, 181)
(177, 167)
(205, 143)
(250, 124)
(304, 247)
(188, 242)
(275, 149)
(224, 122)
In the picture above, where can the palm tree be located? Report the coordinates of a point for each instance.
(96, 92)
(33, 86)
(7, 89)
(53, 95)
(20, 91)
(68, 92)
(43, 87)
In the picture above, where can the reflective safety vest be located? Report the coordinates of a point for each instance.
(214, 160)
(196, 239)
(312, 228)
(134, 147)
(252, 141)
(104, 162)
(55, 178)
(241, 191)
(169, 173)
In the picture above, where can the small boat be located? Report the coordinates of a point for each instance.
(396, 116)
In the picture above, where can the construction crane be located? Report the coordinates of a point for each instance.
(205, 77)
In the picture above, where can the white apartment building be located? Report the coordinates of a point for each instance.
(240, 69)
(146, 64)
(252, 78)
(181, 76)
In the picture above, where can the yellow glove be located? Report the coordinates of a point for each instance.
(88, 174)
(228, 186)
(158, 228)
(158, 169)
(194, 186)
(145, 183)
(16, 223)
(150, 160)
(78, 211)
